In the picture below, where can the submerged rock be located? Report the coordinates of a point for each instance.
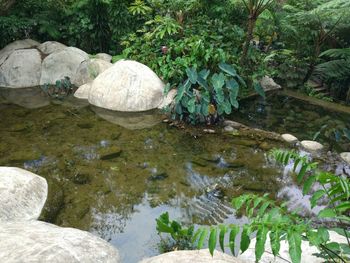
(22, 194)
(312, 146)
(193, 256)
(35, 241)
(127, 86)
(289, 138)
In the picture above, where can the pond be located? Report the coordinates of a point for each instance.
(113, 173)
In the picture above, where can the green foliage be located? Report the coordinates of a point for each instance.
(60, 90)
(204, 97)
(268, 218)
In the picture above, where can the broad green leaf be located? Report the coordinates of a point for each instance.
(308, 183)
(326, 213)
(233, 86)
(260, 242)
(191, 105)
(239, 201)
(202, 237)
(180, 93)
(204, 73)
(228, 69)
(275, 241)
(163, 228)
(263, 209)
(227, 107)
(294, 240)
(316, 196)
(202, 82)
(345, 186)
(302, 172)
(343, 207)
(323, 234)
(233, 233)
(259, 89)
(223, 230)
(245, 239)
(218, 81)
(212, 240)
(196, 235)
(192, 75)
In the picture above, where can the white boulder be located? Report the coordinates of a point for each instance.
(127, 86)
(83, 91)
(19, 44)
(61, 64)
(311, 146)
(168, 99)
(269, 84)
(22, 194)
(88, 70)
(50, 47)
(104, 56)
(21, 68)
(193, 256)
(289, 138)
(35, 241)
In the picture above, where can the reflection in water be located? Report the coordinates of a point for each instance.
(30, 98)
(129, 120)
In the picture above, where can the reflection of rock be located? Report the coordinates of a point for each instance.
(193, 256)
(127, 86)
(129, 120)
(22, 194)
(30, 98)
(308, 252)
(35, 241)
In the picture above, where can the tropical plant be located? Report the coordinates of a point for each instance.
(268, 218)
(60, 90)
(204, 97)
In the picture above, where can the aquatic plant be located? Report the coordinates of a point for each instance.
(60, 90)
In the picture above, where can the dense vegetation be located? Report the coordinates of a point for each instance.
(293, 41)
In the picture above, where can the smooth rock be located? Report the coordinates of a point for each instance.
(233, 124)
(88, 70)
(50, 47)
(269, 84)
(193, 256)
(306, 256)
(168, 99)
(127, 86)
(22, 194)
(61, 64)
(36, 241)
(104, 56)
(312, 146)
(346, 157)
(22, 68)
(289, 138)
(83, 91)
(19, 44)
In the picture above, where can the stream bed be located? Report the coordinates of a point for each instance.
(113, 174)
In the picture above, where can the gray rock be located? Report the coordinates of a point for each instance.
(127, 86)
(289, 138)
(83, 91)
(346, 157)
(269, 84)
(193, 256)
(50, 47)
(311, 146)
(104, 56)
(62, 64)
(88, 70)
(21, 68)
(19, 44)
(22, 194)
(168, 99)
(233, 124)
(35, 241)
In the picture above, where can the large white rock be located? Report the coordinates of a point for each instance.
(22, 194)
(346, 157)
(83, 91)
(19, 44)
(88, 70)
(22, 68)
(312, 146)
(50, 47)
(193, 256)
(307, 255)
(127, 86)
(269, 84)
(35, 241)
(168, 99)
(62, 64)
(289, 138)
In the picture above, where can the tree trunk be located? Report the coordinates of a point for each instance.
(313, 61)
(249, 37)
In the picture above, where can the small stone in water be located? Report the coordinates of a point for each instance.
(312, 145)
(209, 131)
(289, 138)
(346, 157)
